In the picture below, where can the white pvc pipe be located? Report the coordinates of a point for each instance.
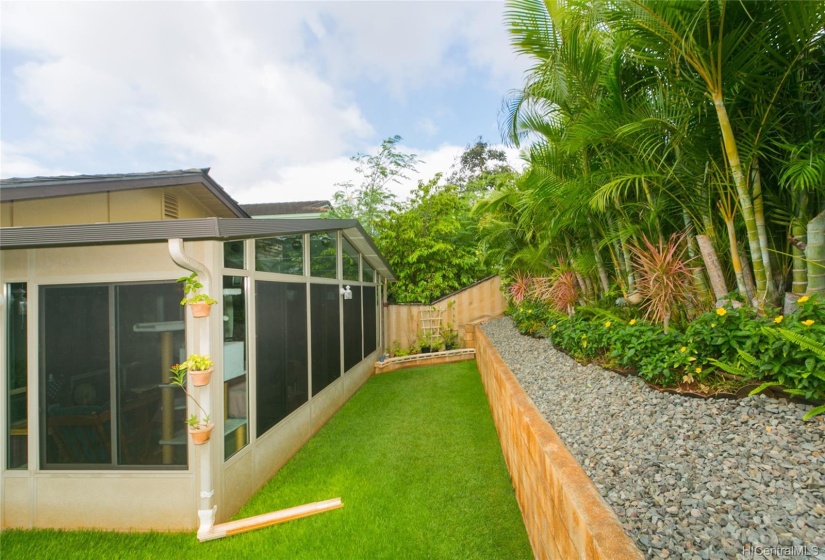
(206, 512)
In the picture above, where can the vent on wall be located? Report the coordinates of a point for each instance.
(170, 207)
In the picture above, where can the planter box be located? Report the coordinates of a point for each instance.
(434, 358)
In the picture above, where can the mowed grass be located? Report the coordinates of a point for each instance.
(414, 457)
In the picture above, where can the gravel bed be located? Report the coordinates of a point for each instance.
(687, 477)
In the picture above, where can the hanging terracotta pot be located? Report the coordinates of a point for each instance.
(200, 378)
(200, 309)
(201, 434)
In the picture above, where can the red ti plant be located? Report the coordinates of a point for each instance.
(560, 290)
(664, 278)
(520, 287)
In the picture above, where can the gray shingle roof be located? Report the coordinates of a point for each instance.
(280, 208)
(69, 185)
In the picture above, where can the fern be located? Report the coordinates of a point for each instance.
(749, 358)
(763, 387)
(730, 368)
(803, 341)
(813, 412)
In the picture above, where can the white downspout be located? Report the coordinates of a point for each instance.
(207, 511)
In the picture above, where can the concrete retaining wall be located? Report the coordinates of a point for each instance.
(564, 514)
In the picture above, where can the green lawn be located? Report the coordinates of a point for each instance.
(414, 457)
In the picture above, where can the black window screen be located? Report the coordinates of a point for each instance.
(326, 342)
(352, 329)
(370, 312)
(281, 351)
(105, 355)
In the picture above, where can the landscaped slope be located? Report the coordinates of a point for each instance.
(415, 458)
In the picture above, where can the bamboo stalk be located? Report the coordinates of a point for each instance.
(268, 519)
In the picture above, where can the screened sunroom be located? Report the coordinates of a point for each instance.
(95, 432)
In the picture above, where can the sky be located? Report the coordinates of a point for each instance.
(274, 97)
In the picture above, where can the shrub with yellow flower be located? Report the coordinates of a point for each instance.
(778, 320)
(803, 299)
(607, 325)
(808, 323)
(721, 311)
(632, 322)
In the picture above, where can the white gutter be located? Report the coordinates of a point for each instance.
(207, 511)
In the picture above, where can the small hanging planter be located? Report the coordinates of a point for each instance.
(201, 378)
(200, 309)
(201, 433)
(200, 304)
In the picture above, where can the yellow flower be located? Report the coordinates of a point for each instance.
(584, 344)
(778, 319)
(698, 370)
(632, 322)
(683, 349)
(803, 299)
(607, 325)
(713, 325)
(529, 311)
(721, 311)
(584, 336)
(553, 327)
(808, 323)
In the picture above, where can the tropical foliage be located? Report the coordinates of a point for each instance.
(721, 350)
(431, 242)
(676, 172)
(372, 198)
(645, 119)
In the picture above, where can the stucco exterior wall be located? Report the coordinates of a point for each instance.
(117, 206)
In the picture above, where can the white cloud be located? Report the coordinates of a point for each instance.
(177, 75)
(17, 164)
(317, 180)
(259, 91)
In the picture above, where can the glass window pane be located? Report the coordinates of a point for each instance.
(323, 252)
(369, 272)
(233, 255)
(236, 434)
(350, 258)
(281, 380)
(17, 367)
(150, 339)
(326, 331)
(352, 329)
(75, 400)
(370, 305)
(280, 254)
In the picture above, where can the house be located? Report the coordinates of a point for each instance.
(283, 210)
(94, 434)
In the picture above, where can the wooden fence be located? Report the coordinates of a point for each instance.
(482, 299)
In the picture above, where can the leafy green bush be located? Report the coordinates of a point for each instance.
(532, 317)
(777, 350)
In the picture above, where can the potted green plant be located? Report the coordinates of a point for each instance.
(199, 428)
(450, 336)
(200, 368)
(199, 303)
